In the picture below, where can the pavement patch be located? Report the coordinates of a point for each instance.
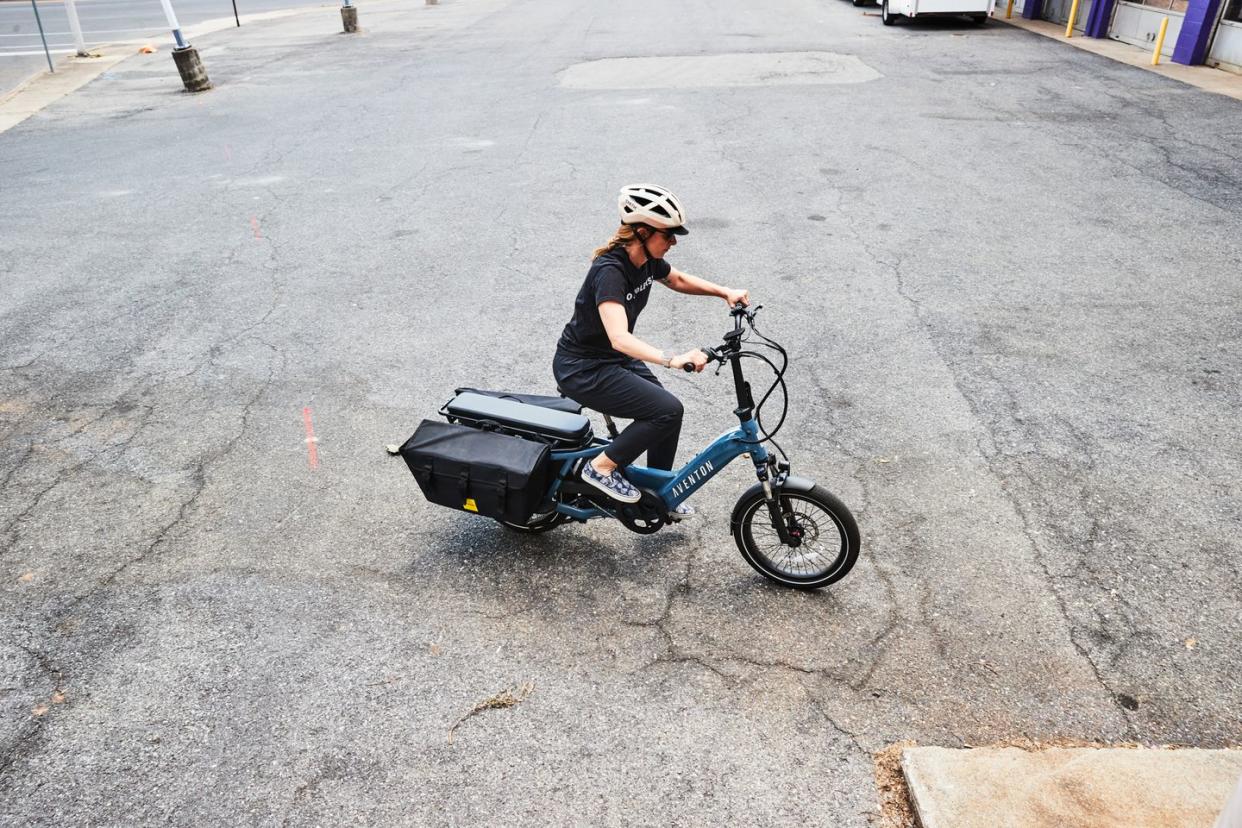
(1085, 787)
(760, 69)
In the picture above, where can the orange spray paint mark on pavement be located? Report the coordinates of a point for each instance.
(312, 449)
(254, 225)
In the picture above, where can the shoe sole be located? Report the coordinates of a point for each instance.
(613, 495)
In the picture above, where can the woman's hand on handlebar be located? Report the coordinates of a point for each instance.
(736, 297)
(690, 361)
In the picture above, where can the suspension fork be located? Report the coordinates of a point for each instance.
(771, 477)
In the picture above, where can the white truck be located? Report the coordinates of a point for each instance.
(893, 10)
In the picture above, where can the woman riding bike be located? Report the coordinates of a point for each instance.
(599, 360)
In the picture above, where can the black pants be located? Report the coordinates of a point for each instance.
(628, 390)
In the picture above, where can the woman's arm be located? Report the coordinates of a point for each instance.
(616, 324)
(693, 285)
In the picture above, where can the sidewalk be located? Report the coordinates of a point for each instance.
(73, 72)
(1201, 77)
(1083, 787)
(43, 88)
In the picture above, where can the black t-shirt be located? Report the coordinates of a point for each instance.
(612, 278)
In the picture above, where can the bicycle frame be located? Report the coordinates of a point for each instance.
(672, 486)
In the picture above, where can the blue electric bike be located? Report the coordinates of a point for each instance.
(789, 529)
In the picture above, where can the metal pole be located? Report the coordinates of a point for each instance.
(173, 24)
(1155, 55)
(43, 37)
(235, 17)
(1073, 18)
(71, 10)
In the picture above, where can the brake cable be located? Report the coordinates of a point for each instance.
(769, 436)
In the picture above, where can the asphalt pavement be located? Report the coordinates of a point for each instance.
(1006, 272)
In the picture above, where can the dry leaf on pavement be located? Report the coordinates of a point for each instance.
(505, 698)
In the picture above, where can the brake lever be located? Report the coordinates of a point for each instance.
(713, 356)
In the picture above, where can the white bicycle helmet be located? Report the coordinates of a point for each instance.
(652, 205)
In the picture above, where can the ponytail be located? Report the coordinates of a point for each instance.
(624, 235)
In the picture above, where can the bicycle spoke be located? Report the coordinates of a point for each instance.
(815, 555)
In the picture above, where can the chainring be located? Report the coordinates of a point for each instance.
(645, 516)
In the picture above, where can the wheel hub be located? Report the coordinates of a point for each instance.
(802, 530)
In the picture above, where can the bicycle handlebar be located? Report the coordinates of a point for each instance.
(738, 312)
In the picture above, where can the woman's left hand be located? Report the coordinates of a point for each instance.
(732, 297)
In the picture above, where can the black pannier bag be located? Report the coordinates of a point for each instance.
(489, 474)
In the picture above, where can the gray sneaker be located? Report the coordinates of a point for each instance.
(683, 511)
(613, 485)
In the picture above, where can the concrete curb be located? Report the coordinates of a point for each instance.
(1200, 77)
(1106, 787)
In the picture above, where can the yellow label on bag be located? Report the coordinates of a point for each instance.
(470, 506)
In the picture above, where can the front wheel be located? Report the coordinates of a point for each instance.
(825, 536)
(886, 17)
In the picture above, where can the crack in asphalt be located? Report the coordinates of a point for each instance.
(672, 652)
(37, 723)
(11, 530)
(17, 466)
(878, 642)
(161, 536)
(149, 382)
(329, 770)
(991, 457)
(994, 459)
(818, 707)
(894, 617)
(199, 478)
(1171, 146)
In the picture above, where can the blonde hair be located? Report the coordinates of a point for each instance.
(624, 235)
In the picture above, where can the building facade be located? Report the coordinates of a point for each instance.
(1200, 31)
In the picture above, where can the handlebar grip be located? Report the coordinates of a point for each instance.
(688, 367)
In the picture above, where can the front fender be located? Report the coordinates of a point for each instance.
(792, 483)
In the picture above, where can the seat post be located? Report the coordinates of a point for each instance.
(612, 427)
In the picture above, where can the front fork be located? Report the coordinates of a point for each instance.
(772, 474)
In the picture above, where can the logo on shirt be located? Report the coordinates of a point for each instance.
(629, 297)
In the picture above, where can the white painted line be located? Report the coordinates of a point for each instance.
(40, 52)
(92, 32)
(89, 44)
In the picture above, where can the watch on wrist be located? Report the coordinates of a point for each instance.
(667, 361)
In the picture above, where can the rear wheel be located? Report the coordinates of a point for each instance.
(824, 544)
(886, 17)
(979, 19)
